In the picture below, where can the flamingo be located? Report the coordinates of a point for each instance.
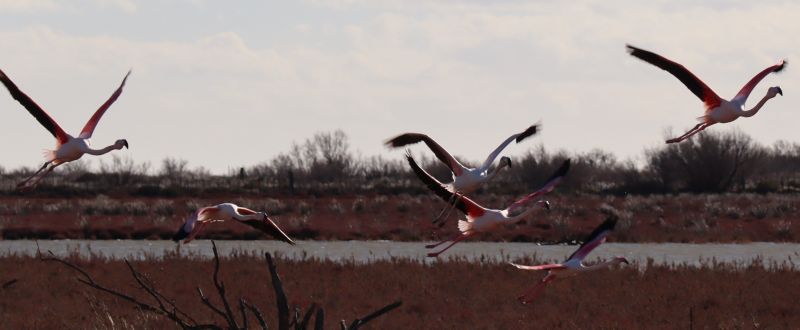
(228, 211)
(574, 264)
(718, 110)
(480, 219)
(465, 179)
(68, 148)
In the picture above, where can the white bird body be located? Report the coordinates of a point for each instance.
(726, 112)
(470, 179)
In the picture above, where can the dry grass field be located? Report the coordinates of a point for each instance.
(443, 295)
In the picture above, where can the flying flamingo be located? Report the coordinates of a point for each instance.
(227, 211)
(465, 179)
(480, 219)
(68, 148)
(574, 264)
(718, 110)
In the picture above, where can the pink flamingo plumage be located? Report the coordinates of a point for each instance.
(228, 211)
(481, 219)
(718, 110)
(465, 179)
(574, 264)
(68, 148)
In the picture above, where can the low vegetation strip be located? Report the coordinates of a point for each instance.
(675, 218)
(451, 294)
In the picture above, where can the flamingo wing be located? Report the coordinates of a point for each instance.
(463, 203)
(597, 237)
(518, 137)
(549, 185)
(697, 86)
(88, 129)
(539, 267)
(186, 228)
(441, 153)
(741, 97)
(269, 227)
(34, 109)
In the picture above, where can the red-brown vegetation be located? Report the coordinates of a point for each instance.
(447, 294)
(673, 218)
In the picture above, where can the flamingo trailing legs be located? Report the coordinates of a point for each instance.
(465, 179)
(481, 219)
(718, 110)
(574, 264)
(68, 148)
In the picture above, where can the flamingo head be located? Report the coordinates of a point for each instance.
(545, 204)
(773, 91)
(505, 161)
(121, 143)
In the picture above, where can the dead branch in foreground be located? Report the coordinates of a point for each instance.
(166, 307)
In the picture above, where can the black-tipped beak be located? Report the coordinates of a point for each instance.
(509, 162)
(780, 91)
(626, 261)
(125, 144)
(547, 205)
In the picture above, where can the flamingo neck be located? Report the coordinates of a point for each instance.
(754, 110)
(246, 217)
(98, 152)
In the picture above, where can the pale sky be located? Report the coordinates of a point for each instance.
(224, 84)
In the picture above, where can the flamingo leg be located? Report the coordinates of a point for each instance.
(697, 129)
(23, 183)
(460, 238)
(441, 219)
(33, 181)
(534, 292)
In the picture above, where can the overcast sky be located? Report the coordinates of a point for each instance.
(224, 84)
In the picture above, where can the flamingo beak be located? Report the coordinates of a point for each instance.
(547, 205)
(780, 91)
(625, 261)
(125, 143)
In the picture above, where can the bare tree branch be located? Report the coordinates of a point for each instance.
(306, 318)
(88, 280)
(357, 323)
(243, 312)
(280, 295)
(320, 319)
(259, 316)
(208, 303)
(221, 290)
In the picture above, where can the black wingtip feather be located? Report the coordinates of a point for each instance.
(528, 132)
(607, 225)
(180, 235)
(404, 139)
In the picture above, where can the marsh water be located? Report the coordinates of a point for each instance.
(369, 251)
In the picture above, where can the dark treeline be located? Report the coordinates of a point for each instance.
(324, 164)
